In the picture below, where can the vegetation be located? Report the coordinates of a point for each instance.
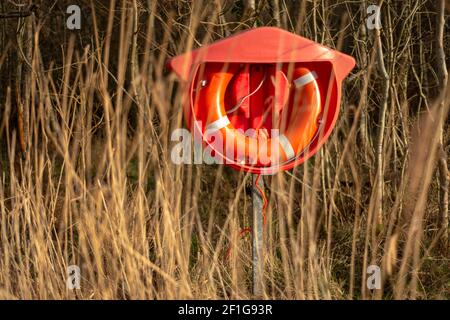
(86, 177)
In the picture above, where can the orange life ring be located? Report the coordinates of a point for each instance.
(296, 133)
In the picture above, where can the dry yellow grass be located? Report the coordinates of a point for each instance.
(94, 185)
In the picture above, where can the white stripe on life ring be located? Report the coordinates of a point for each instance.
(305, 79)
(214, 126)
(286, 146)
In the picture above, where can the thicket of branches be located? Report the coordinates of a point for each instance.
(86, 176)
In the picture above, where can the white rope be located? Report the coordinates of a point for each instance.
(305, 79)
(220, 123)
(286, 146)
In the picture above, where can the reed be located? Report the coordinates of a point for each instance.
(87, 179)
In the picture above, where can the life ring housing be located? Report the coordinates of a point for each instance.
(261, 151)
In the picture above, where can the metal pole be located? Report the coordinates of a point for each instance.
(257, 229)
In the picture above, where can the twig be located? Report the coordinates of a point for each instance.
(19, 14)
(442, 156)
(380, 142)
(15, 15)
